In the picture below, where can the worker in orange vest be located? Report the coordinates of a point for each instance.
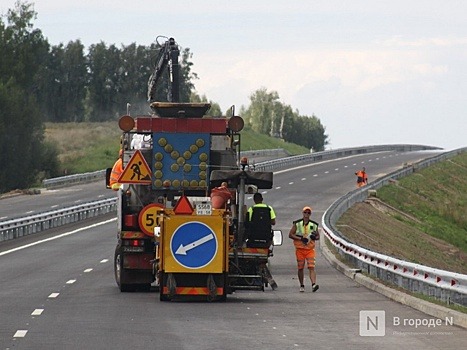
(117, 170)
(362, 177)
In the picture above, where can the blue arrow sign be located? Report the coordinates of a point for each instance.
(193, 245)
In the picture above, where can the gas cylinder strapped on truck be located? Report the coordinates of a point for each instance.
(182, 221)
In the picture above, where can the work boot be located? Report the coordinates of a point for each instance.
(314, 287)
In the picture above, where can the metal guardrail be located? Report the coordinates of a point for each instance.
(447, 286)
(74, 179)
(20, 227)
(262, 166)
(42, 221)
(288, 162)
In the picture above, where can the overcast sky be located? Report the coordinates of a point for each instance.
(373, 71)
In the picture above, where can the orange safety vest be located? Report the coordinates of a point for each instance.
(304, 231)
(115, 174)
(361, 176)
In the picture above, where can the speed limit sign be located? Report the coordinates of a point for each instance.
(148, 218)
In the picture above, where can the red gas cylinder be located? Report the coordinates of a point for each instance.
(220, 196)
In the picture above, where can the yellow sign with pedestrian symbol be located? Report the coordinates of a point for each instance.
(136, 171)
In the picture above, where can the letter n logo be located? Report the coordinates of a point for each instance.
(372, 323)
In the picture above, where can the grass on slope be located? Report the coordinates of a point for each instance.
(422, 218)
(85, 147)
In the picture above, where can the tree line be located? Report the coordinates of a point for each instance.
(40, 82)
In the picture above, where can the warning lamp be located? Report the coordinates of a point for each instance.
(236, 123)
(126, 123)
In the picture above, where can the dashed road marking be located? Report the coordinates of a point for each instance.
(70, 281)
(88, 270)
(104, 261)
(20, 333)
(37, 312)
(53, 295)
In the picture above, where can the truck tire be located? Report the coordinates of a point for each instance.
(119, 271)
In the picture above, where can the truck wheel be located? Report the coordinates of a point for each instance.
(119, 272)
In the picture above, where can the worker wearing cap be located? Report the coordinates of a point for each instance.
(304, 233)
(117, 170)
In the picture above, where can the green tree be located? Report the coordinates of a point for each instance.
(63, 81)
(104, 81)
(214, 110)
(21, 136)
(136, 62)
(21, 128)
(267, 115)
(261, 111)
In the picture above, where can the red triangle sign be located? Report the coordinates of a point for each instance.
(183, 206)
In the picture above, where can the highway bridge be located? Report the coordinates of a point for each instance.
(58, 290)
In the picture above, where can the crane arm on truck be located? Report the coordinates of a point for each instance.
(167, 58)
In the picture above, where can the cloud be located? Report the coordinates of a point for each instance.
(399, 41)
(295, 74)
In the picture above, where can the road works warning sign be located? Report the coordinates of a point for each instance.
(137, 171)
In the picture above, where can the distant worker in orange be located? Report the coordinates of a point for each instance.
(117, 170)
(362, 177)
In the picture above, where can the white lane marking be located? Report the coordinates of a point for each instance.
(53, 295)
(70, 281)
(20, 333)
(37, 312)
(104, 261)
(303, 178)
(315, 175)
(318, 163)
(56, 237)
(291, 183)
(4, 217)
(337, 169)
(87, 270)
(345, 166)
(326, 172)
(278, 188)
(29, 212)
(54, 206)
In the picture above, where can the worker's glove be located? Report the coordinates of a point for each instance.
(313, 236)
(304, 240)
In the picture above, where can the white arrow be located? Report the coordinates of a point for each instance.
(183, 249)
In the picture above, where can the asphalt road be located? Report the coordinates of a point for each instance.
(57, 289)
(23, 205)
